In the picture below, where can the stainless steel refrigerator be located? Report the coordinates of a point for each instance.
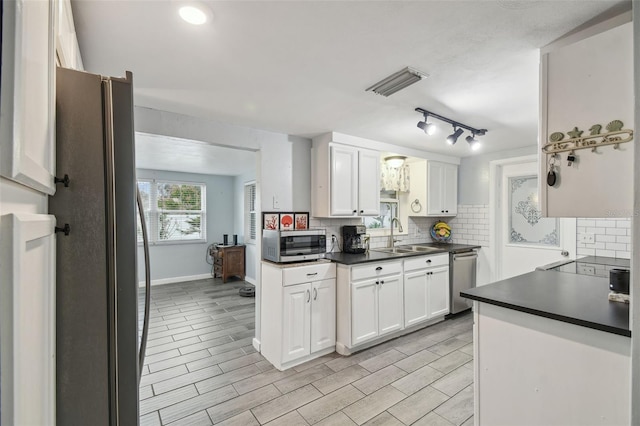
(98, 339)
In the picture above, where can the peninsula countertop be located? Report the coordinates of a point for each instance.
(572, 298)
(377, 256)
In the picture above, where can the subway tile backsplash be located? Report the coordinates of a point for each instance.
(611, 237)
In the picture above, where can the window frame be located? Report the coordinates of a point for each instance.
(248, 213)
(377, 232)
(153, 214)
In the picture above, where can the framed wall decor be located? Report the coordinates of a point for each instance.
(27, 97)
(270, 221)
(301, 220)
(286, 221)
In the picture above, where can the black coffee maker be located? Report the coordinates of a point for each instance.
(353, 238)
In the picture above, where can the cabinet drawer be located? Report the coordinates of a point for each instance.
(375, 269)
(308, 273)
(422, 262)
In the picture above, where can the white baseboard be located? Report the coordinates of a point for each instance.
(250, 280)
(256, 344)
(177, 279)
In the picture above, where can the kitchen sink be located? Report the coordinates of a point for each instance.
(422, 249)
(394, 250)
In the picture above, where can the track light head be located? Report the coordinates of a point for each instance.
(453, 138)
(473, 142)
(428, 128)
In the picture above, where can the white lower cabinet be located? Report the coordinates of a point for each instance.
(298, 316)
(426, 288)
(380, 299)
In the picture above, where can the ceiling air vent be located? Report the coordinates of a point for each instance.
(397, 81)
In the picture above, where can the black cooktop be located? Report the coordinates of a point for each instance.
(598, 266)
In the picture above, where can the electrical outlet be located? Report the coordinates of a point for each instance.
(587, 238)
(276, 202)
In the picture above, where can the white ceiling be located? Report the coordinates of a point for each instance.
(181, 155)
(302, 67)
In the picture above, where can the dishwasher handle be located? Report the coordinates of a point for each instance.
(466, 254)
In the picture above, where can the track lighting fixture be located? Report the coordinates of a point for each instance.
(474, 143)
(458, 129)
(453, 137)
(428, 128)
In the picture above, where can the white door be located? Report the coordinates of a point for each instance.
(364, 311)
(297, 314)
(438, 291)
(450, 189)
(368, 183)
(390, 303)
(526, 239)
(344, 181)
(415, 297)
(323, 314)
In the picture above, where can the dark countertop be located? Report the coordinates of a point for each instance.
(573, 298)
(376, 256)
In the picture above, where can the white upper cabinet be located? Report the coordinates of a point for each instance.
(586, 88)
(345, 180)
(27, 99)
(442, 189)
(434, 189)
(67, 49)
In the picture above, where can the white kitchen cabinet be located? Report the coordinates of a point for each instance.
(298, 312)
(364, 305)
(426, 288)
(345, 180)
(67, 48)
(586, 83)
(438, 292)
(296, 339)
(433, 191)
(442, 189)
(370, 302)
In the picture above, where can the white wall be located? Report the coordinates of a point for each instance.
(635, 259)
(184, 261)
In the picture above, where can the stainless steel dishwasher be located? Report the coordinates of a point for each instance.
(462, 276)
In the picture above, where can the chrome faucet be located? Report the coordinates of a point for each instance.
(392, 242)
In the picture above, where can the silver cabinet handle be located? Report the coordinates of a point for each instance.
(315, 294)
(308, 296)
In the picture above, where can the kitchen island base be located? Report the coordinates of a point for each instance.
(538, 371)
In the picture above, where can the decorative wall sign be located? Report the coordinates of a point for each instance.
(615, 136)
(286, 221)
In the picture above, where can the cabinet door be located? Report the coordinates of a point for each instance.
(323, 314)
(390, 303)
(364, 311)
(435, 181)
(415, 297)
(450, 189)
(438, 291)
(344, 181)
(297, 315)
(368, 183)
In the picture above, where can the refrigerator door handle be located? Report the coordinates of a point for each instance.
(147, 293)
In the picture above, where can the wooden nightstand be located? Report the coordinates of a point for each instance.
(228, 261)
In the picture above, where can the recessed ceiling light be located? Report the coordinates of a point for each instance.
(193, 14)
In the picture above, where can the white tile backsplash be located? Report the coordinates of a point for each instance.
(612, 237)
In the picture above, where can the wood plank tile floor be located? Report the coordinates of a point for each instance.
(201, 369)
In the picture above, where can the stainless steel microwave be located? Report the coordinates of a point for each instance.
(293, 246)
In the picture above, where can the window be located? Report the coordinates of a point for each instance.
(174, 211)
(250, 213)
(388, 210)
